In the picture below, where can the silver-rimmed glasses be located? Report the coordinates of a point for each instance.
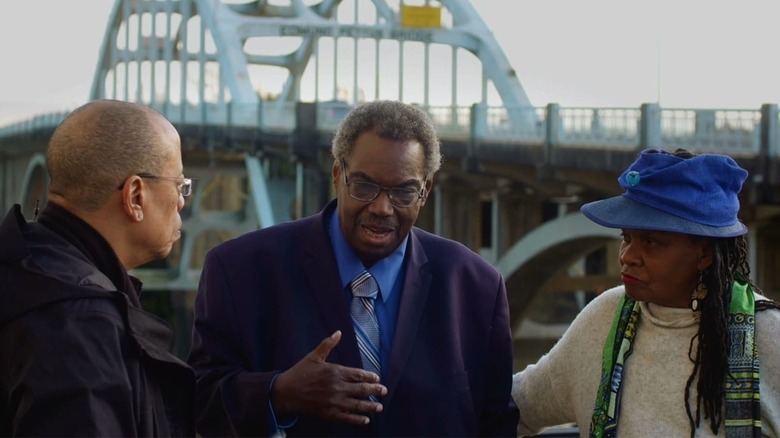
(184, 184)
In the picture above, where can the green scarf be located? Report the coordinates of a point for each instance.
(743, 405)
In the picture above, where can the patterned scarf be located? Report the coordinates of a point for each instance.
(743, 405)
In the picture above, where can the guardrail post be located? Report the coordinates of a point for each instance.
(304, 137)
(478, 122)
(704, 129)
(650, 126)
(477, 130)
(553, 132)
(770, 138)
(769, 149)
(311, 183)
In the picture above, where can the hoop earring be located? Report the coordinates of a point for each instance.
(698, 295)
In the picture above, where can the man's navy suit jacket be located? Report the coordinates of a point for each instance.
(269, 297)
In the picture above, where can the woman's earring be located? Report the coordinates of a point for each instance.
(698, 295)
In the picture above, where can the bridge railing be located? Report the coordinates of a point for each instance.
(43, 121)
(265, 116)
(600, 126)
(736, 132)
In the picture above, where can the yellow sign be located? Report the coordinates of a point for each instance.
(420, 16)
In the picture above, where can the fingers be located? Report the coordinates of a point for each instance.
(356, 382)
(355, 415)
(376, 390)
(361, 391)
(359, 397)
(358, 375)
(348, 417)
(353, 410)
(323, 350)
(329, 390)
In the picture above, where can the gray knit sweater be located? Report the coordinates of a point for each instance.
(561, 387)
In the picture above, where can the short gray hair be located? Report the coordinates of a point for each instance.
(392, 120)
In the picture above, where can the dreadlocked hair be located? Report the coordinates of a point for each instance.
(710, 360)
(729, 256)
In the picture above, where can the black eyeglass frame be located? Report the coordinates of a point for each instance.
(392, 192)
(184, 184)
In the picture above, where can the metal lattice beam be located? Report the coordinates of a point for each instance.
(164, 52)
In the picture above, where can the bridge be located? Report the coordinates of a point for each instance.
(256, 90)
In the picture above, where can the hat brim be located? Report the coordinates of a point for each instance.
(621, 212)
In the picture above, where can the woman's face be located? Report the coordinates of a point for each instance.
(662, 267)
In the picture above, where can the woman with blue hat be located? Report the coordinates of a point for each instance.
(687, 345)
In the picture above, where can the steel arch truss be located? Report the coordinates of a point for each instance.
(170, 53)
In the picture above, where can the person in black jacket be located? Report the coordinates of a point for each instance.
(79, 355)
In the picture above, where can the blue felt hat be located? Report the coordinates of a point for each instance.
(697, 195)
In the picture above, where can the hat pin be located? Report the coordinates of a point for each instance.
(632, 178)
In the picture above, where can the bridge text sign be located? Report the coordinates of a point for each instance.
(425, 36)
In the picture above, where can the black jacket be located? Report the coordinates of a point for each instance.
(77, 356)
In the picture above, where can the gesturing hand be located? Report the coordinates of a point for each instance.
(314, 387)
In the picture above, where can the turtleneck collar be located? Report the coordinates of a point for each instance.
(671, 317)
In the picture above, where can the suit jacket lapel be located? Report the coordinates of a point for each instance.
(322, 277)
(415, 290)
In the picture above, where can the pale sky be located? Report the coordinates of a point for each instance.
(587, 53)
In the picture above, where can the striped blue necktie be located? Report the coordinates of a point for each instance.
(364, 291)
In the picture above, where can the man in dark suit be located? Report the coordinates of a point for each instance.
(423, 348)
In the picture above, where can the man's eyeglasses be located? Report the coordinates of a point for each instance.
(403, 197)
(184, 184)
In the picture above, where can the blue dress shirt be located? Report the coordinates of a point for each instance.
(387, 272)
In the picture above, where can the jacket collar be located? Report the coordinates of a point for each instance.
(416, 288)
(28, 245)
(14, 247)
